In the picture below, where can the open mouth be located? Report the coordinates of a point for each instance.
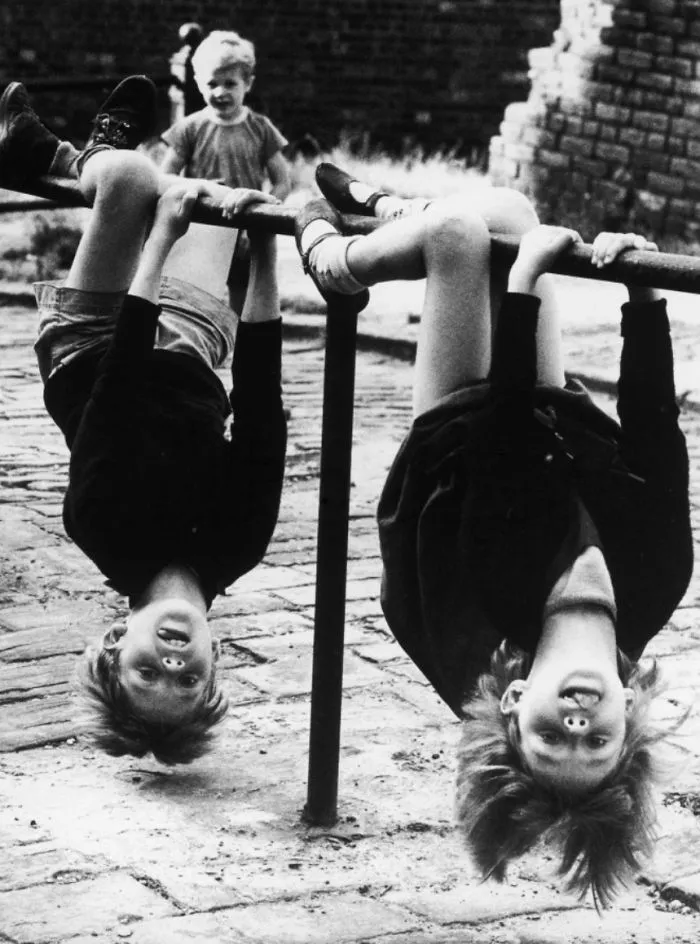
(578, 697)
(173, 637)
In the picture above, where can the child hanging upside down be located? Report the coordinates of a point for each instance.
(532, 546)
(169, 508)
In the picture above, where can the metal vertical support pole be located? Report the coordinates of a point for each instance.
(331, 567)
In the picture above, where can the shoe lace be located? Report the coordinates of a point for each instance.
(109, 126)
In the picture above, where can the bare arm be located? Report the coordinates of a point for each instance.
(172, 162)
(171, 221)
(262, 297)
(538, 249)
(280, 176)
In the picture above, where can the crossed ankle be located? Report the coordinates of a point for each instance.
(329, 263)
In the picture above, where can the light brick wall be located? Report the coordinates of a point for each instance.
(610, 131)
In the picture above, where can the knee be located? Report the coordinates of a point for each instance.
(512, 211)
(452, 229)
(123, 176)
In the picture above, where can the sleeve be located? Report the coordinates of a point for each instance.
(259, 430)
(653, 443)
(177, 137)
(273, 141)
(514, 358)
(133, 339)
(654, 449)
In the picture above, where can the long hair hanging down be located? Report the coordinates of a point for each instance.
(502, 810)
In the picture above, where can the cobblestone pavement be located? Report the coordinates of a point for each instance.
(101, 850)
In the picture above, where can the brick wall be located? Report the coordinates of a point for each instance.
(610, 131)
(436, 72)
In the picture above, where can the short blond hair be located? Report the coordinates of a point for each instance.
(224, 49)
(116, 728)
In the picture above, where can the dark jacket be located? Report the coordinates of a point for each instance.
(499, 488)
(153, 477)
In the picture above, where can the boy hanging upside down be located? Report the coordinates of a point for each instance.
(532, 546)
(169, 507)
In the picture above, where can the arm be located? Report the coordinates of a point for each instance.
(652, 443)
(514, 360)
(258, 435)
(172, 163)
(280, 176)
(136, 327)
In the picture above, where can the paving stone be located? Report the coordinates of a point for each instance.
(330, 918)
(21, 680)
(644, 925)
(112, 902)
(476, 905)
(290, 674)
(41, 863)
(185, 930)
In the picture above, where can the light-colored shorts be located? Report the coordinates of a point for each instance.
(72, 321)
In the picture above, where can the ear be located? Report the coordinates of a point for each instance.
(251, 83)
(630, 700)
(511, 696)
(111, 638)
(216, 649)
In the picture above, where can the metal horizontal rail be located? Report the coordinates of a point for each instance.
(662, 270)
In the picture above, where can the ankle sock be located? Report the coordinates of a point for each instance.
(329, 262)
(393, 208)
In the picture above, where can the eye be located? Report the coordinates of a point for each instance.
(597, 742)
(188, 681)
(550, 737)
(147, 674)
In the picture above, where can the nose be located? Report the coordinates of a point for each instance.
(173, 664)
(576, 723)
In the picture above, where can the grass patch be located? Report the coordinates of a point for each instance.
(414, 174)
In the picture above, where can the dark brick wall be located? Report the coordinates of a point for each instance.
(435, 72)
(610, 131)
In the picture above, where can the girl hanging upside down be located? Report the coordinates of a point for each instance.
(532, 546)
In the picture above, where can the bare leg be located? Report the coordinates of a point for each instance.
(123, 187)
(507, 211)
(262, 298)
(450, 248)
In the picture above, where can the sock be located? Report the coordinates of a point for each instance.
(64, 163)
(329, 262)
(392, 208)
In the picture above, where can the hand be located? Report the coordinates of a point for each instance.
(539, 248)
(237, 199)
(608, 246)
(173, 213)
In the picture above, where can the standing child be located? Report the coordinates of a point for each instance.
(167, 505)
(227, 141)
(516, 510)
